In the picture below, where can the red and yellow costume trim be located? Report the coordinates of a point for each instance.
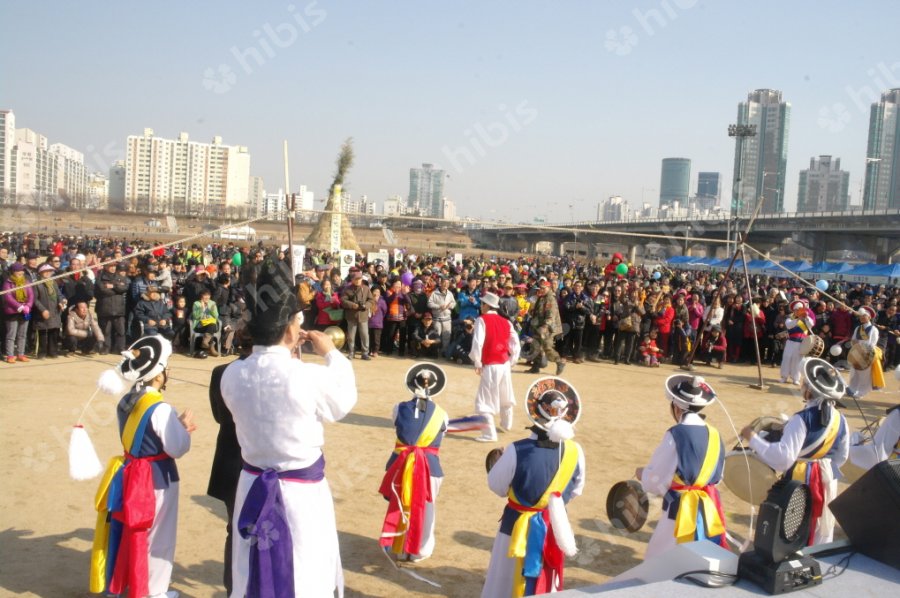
(407, 486)
(119, 558)
(700, 496)
(808, 470)
(532, 543)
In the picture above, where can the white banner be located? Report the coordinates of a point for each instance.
(347, 258)
(336, 204)
(457, 259)
(398, 256)
(376, 256)
(297, 254)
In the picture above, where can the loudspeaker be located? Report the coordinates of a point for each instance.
(869, 512)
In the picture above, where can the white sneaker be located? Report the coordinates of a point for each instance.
(485, 439)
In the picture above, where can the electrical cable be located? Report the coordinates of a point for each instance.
(715, 579)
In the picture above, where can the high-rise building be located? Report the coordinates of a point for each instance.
(34, 169)
(613, 209)
(883, 154)
(71, 175)
(393, 206)
(178, 176)
(97, 195)
(426, 190)
(449, 210)
(824, 187)
(709, 189)
(7, 141)
(274, 205)
(675, 181)
(256, 196)
(117, 185)
(760, 162)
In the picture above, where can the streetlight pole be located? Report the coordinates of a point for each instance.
(739, 132)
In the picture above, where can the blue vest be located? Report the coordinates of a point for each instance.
(164, 471)
(691, 443)
(812, 418)
(409, 428)
(535, 468)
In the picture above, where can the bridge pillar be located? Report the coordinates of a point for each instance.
(632, 254)
(712, 250)
(558, 247)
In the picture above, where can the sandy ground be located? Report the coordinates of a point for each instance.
(46, 519)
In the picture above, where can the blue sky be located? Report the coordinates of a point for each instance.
(532, 107)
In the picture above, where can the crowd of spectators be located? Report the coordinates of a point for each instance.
(417, 307)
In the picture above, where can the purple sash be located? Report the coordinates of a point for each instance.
(263, 520)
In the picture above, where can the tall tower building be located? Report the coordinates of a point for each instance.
(426, 190)
(883, 154)
(760, 162)
(675, 181)
(179, 176)
(7, 141)
(709, 190)
(116, 199)
(824, 187)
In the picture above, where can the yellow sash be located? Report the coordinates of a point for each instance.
(828, 438)
(519, 538)
(695, 498)
(432, 429)
(101, 530)
(877, 371)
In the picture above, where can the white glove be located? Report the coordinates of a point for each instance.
(21, 308)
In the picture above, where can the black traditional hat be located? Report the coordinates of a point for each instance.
(145, 359)
(689, 392)
(552, 399)
(272, 300)
(823, 379)
(424, 376)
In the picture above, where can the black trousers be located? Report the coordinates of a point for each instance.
(48, 343)
(624, 346)
(113, 328)
(390, 328)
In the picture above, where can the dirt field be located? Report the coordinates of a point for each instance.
(47, 519)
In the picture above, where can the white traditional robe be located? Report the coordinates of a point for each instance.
(279, 403)
(501, 571)
(495, 393)
(791, 358)
(781, 455)
(861, 380)
(885, 445)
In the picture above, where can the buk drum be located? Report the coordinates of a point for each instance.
(812, 346)
(861, 356)
(745, 475)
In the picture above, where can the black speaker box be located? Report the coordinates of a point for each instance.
(869, 512)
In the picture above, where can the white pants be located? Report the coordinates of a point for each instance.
(790, 362)
(310, 516)
(426, 546)
(496, 396)
(161, 540)
(502, 571)
(861, 381)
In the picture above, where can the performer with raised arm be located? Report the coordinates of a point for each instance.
(813, 445)
(798, 325)
(537, 476)
(286, 541)
(495, 348)
(685, 470)
(863, 381)
(137, 501)
(413, 478)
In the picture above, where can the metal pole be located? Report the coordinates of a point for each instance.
(290, 227)
(759, 385)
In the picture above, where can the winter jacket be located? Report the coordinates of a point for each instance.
(111, 300)
(46, 299)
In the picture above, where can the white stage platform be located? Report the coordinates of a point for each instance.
(862, 578)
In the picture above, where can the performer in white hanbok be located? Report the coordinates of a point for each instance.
(537, 476)
(495, 348)
(885, 445)
(798, 326)
(861, 381)
(814, 444)
(137, 502)
(686, 469)
(286, 539)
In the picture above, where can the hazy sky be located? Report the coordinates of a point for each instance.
(532, 107)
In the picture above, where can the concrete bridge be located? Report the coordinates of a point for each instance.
(872, 231)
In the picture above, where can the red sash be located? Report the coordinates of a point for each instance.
(392, 486)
